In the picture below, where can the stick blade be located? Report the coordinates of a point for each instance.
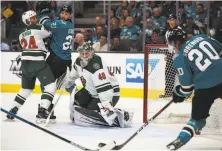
(108, 146)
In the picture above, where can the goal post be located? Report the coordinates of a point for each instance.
(160, 49)
(145, 84)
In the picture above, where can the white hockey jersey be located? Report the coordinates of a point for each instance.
(32, 42)
(99, 82)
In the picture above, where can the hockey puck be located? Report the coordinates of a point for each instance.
(109, 145)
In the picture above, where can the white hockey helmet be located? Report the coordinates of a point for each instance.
(27, 15)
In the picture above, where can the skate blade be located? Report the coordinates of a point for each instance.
(40, 121)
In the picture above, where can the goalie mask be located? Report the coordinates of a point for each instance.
(85, 53)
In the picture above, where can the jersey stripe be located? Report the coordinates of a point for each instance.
(33, 54)
(34, 51)
(44, 19)
(34, 58)
(104, 88)
(104, 84)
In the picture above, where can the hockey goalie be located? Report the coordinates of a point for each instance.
(93, 104)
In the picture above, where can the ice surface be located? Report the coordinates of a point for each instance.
(17, 135)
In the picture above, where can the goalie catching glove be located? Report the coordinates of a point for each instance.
(180, 93)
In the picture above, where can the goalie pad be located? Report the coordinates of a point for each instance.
(85, 117)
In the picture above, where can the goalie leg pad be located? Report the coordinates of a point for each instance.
(85, 117)
(124, 118)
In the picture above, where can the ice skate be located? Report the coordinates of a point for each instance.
(14, 110)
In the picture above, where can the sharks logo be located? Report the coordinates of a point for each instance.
(16, 66)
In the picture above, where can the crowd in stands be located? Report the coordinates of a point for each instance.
(126, 22)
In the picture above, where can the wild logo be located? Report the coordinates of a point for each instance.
(16, 66)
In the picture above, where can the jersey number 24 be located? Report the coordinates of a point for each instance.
(201, 62)
(31, 44)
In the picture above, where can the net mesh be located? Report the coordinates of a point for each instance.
(180, 112)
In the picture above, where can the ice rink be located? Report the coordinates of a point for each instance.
(16, 135)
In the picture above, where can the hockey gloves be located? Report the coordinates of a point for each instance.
(107, 112)
(178, 97)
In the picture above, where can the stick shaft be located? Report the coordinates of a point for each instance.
(118, 147)
(45, 130)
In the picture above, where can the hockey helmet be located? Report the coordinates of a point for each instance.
(172, 16)
(177, 34)
(66, 8)
(27, 15)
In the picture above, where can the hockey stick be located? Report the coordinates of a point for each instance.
(47, 131)
(112, 146)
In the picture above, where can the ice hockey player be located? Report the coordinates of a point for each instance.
(94, 103)
(170, 76)
(61, 40)
(34, 66)
(199, 68)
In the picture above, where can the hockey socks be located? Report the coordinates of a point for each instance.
(187, 133)
(190, 129)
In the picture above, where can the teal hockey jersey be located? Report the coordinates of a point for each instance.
(198, 63)
(62, 36)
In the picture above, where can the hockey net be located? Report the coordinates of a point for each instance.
(176, 113)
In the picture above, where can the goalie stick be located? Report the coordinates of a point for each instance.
(49, 132)
(112, 146)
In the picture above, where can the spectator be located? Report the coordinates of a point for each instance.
(156, 39)
(168, 8)
(86, 35)
(139, 20)
(98, 23)
(101, 45)
(181, 14)
(126, 13)
(4, 45)
(152, 5)
(201, 15)
(54, 9)
(116, 44)
(190, 27)
(130, 31)
(99, 31)
(150, 29)
(119, 10)
(122, 22)
(115, 30)
(216, 32)
(112, 15)
(78, 40)
(190, 8)
(159, 21)
(132, 9)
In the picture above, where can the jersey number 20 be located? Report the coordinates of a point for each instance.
(200, 62)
